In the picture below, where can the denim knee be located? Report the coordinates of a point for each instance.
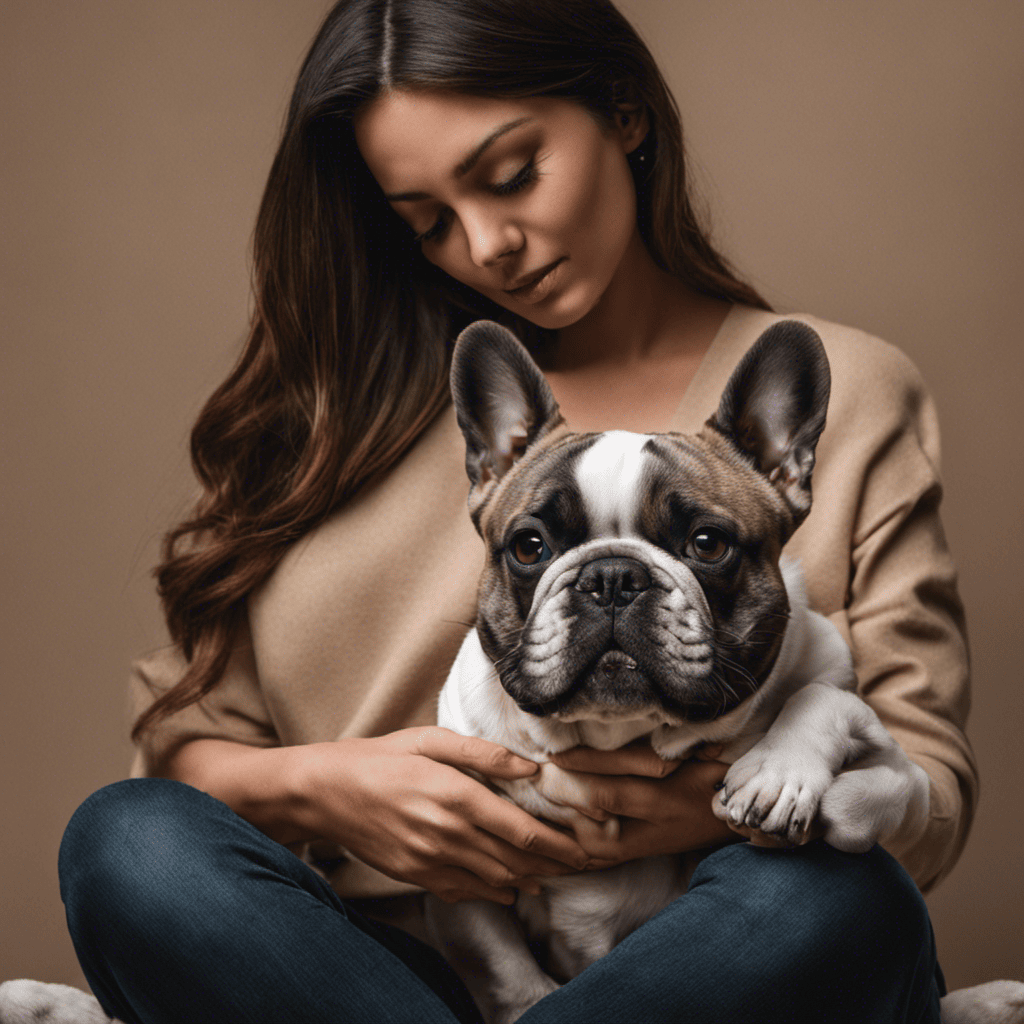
(123, 838)
(850, 929)
(857, 897)
(142, 854)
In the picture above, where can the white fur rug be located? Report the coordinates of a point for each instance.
(35, 1002)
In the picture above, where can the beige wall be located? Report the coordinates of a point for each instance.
(863, 161)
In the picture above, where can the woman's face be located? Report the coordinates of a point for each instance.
(528, 201)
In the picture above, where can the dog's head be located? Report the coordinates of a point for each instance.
(630, 574)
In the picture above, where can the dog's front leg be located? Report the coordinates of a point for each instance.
(875, 794)
(824, 739)
(485, 945)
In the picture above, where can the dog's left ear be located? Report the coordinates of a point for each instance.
(502, 401)
(773, 408)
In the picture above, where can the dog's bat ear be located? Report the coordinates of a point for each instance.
(773, 408)
(502, 401)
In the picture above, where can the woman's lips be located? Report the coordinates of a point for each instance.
(537, 285)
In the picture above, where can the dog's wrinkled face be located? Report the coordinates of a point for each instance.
(630, 574)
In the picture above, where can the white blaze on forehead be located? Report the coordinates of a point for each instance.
(609, 477)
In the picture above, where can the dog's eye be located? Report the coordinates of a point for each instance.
(528, 547)
(708, 545)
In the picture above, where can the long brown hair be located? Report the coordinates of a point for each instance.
(347, 357)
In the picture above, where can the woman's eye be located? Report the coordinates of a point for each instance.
(708, 545)
(526, 175)
(528, 548)
(435, 230)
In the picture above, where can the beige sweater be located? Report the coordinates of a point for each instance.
(354, 633)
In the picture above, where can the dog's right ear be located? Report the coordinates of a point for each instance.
(502, 401)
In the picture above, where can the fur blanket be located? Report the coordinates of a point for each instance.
(35, 1002)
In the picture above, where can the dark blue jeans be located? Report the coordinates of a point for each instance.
(181, 911)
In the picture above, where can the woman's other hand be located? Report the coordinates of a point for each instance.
(663, 806)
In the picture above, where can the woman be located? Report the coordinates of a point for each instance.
(445, 160)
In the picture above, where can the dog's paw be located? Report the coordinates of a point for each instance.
(774, 794)
(534, 990)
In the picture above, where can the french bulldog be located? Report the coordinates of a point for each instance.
(634, 586)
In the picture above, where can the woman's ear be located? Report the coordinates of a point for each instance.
(631, 120)
(632, 125)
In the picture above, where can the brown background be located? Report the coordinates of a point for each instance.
(862, 161)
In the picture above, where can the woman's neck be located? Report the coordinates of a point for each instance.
(645, 314)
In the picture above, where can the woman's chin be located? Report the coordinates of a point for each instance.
(556, 312)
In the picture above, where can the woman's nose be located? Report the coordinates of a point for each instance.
(490, 236)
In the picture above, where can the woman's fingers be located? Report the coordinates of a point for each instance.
(650, 839)
(401, 803)
(620, 795)
(520, 865)
(525, 833)
(467, 752)
(453, 884)
(634, 759)
(669, 815)
(645, 798)
(486, 809)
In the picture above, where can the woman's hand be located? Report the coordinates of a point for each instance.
(401, 804)
(665, 806)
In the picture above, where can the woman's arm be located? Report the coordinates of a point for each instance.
(878, 481)
(400, 802)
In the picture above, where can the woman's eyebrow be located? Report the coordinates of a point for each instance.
(466, 165)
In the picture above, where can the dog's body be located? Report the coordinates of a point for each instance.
(633, 588)
(579, 918)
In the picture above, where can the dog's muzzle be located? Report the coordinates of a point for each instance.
(617, 628)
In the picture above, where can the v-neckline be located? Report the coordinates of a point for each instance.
(700, 397)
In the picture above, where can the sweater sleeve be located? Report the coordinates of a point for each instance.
(234, 709)
(904, 617)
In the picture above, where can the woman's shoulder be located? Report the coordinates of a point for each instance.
(860, 360)
(873, 381)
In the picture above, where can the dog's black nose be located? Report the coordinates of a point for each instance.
(613, 580)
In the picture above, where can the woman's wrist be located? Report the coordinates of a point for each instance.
(267, 786)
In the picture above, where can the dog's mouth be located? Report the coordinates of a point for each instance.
(616, 684)
(615, 661)
(612, 684)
